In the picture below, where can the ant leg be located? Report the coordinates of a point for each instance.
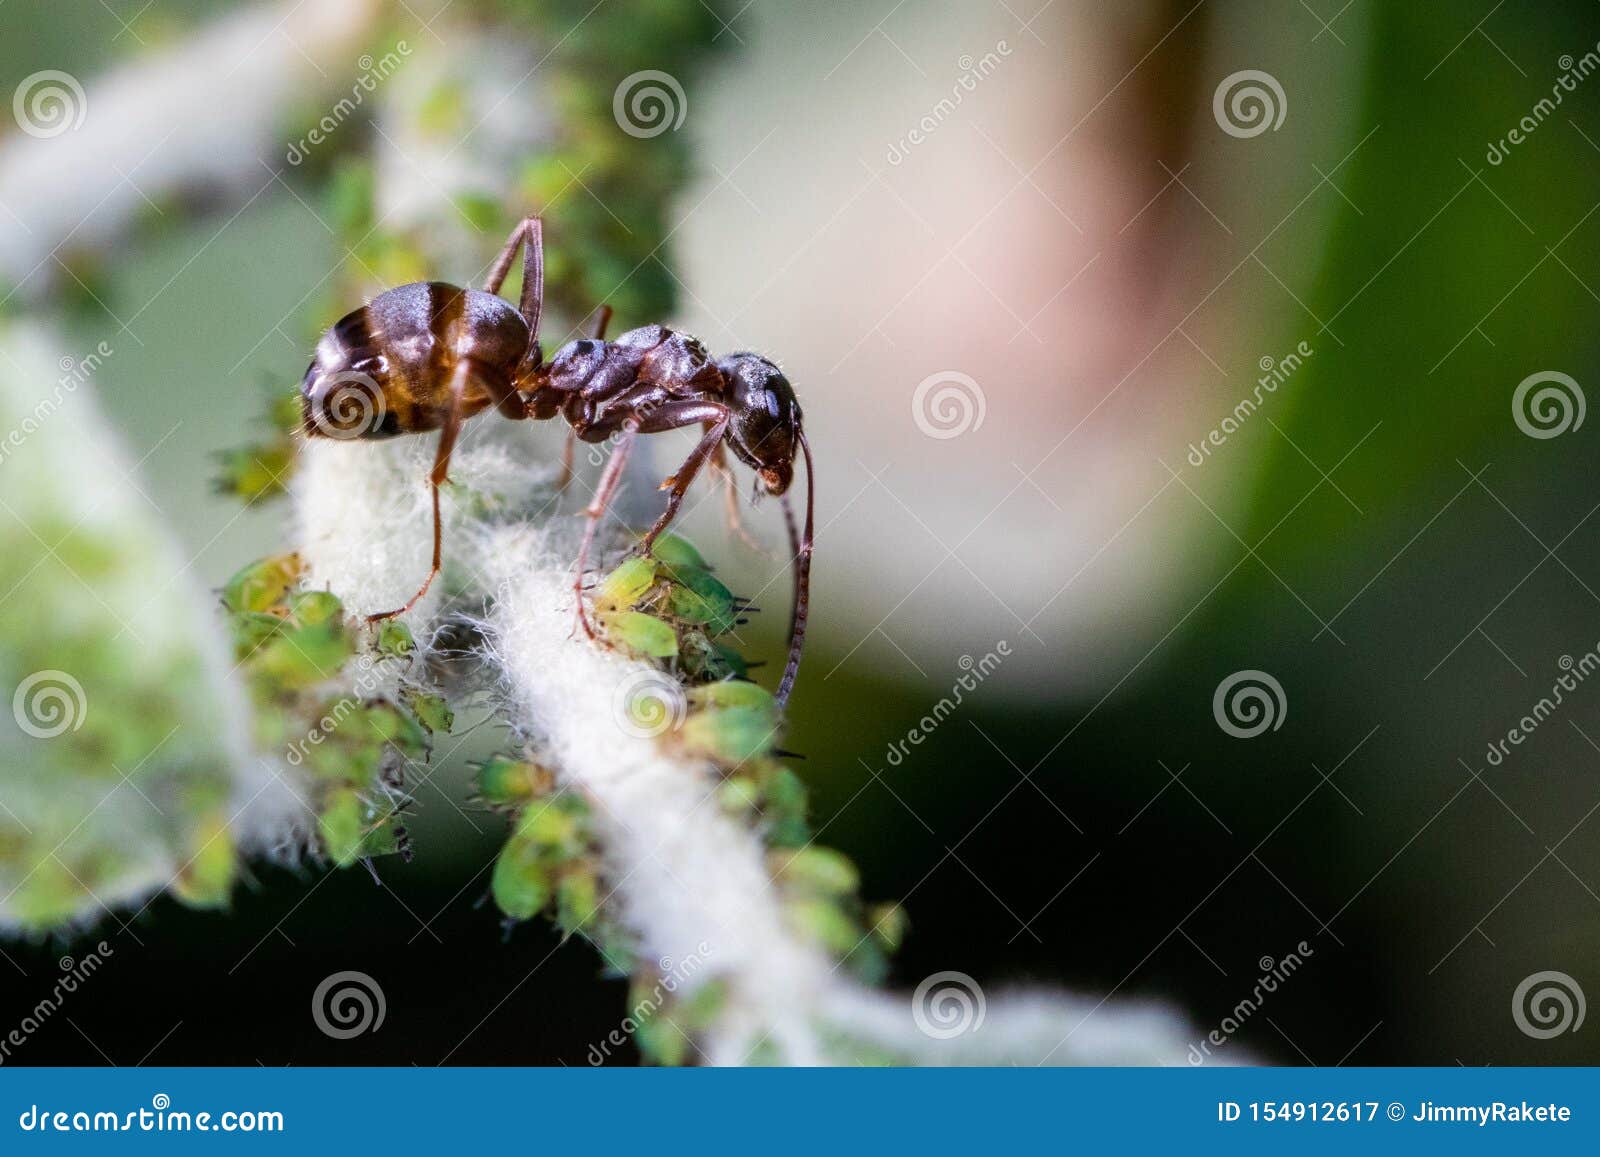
(680, 482)
(672, 416)
(531, 232)
(567, 453)
(610, 478)
(441, 472)
(730, 493)
(602, 319)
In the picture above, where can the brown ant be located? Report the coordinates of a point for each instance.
(428, 356)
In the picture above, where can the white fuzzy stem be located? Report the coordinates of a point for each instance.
(684, 877)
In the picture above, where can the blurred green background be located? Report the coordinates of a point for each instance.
(1082, 238)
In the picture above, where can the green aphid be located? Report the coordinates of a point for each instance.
(304, 656)
(641, 633)
(824, 922)
(48, 897)
(675, 551)
(577, 898)
(347, 756)
(869, 962)
(732, 660)
(285, 412)
(382, 839)
(660, 1041)
(393, 726)
(733, 693)
(701, 1007)
(714, 612)
(311, 608)
(738, 795)
(251, 629)
(786, 808)
(520, 883)
(889, 924)
(623, 588)
(699, 657)
(206, 878)
(262, 585)
(506, 782)
(256, 472)
(698, 596)
(817, 869)
(730, 735)
(395, 639)
(552, 828)
(431, 710)
(341, 826)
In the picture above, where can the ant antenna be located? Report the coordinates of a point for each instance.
(800, 547)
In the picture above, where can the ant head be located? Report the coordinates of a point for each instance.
(765, 429)
(345, 392)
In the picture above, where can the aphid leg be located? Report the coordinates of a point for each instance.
(531, 232)
(602, 318)
(610, 478)
(441, 472)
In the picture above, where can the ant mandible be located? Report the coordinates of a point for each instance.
(428, 356)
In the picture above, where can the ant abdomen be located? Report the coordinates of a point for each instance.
(386, 368)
